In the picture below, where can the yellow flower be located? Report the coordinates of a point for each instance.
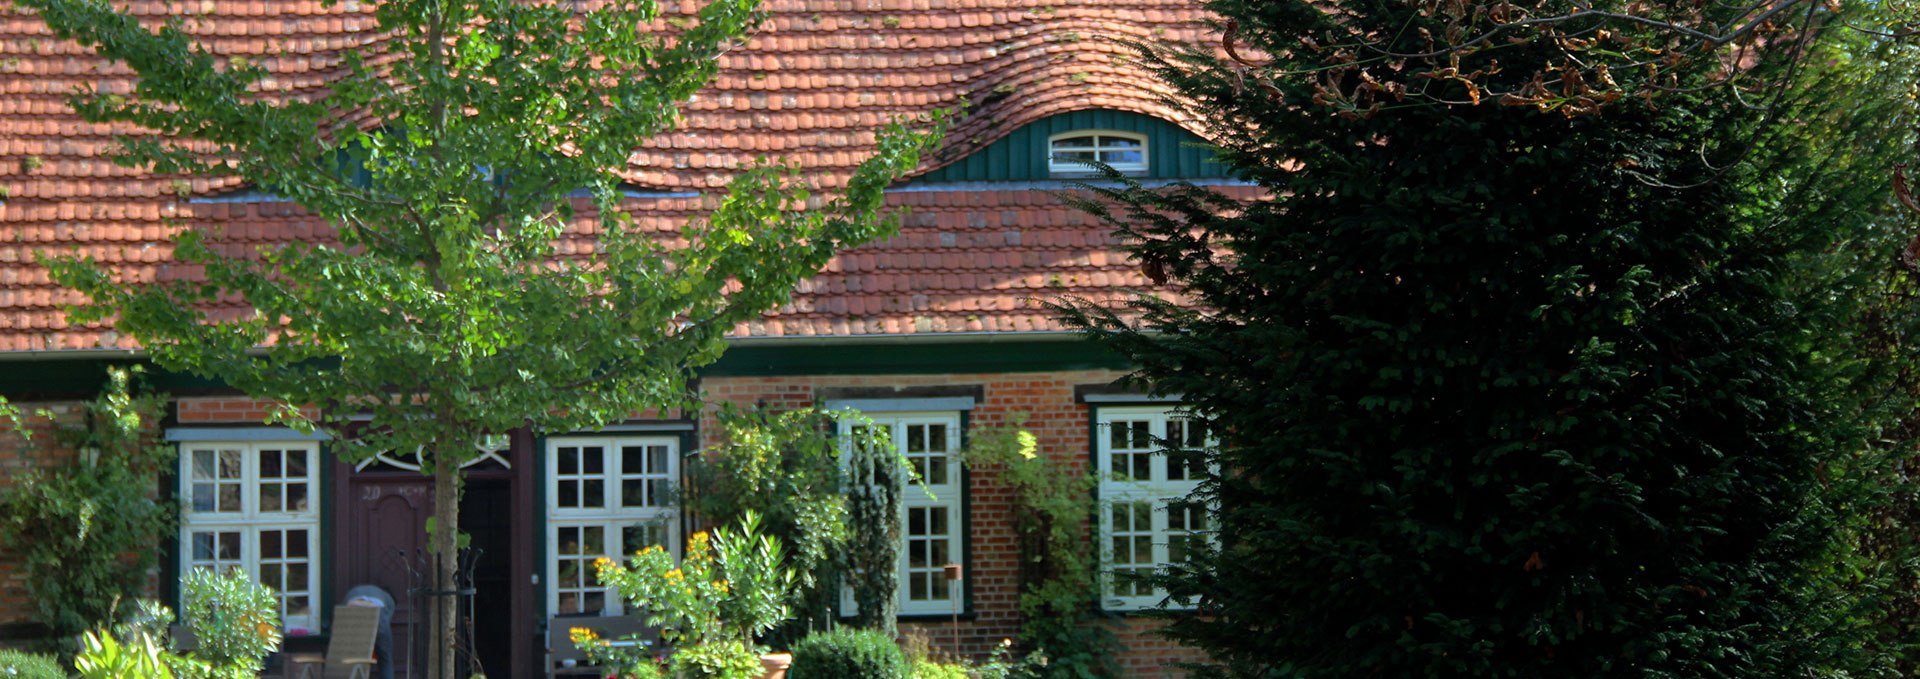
(720, 585)
(675, 574)
(602, 563)
(581, 635)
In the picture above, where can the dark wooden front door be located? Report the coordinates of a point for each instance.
(381, 540)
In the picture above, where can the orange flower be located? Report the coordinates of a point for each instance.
(581, 635)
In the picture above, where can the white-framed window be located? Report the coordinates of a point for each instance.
(606, 497)
(1069, 152)
(932, 525)
(255, 507)
(1148, 461)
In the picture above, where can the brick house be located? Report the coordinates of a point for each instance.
(932, 333)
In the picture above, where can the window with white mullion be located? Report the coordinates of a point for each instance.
(1151, 460)
(1069, 154)
(251, 507)
(1130, 448)
(1132, 546)
(285, 555)
(929, 548)
(1187, 525)
(217, 480)
(606, 498)
(216, 550)
(930, 524)
(574, 580)
(643, 474)
(579, 477)
(932, 531)
(285, 485)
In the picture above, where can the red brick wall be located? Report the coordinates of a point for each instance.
(1148, 654)
(1060, 425)
(225, 409)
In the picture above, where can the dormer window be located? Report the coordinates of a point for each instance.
(1069, 153)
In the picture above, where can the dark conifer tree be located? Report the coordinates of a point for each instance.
(1524, 366)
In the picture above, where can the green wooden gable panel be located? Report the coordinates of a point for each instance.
(1172, 152)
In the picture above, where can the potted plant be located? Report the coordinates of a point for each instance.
(730, 587)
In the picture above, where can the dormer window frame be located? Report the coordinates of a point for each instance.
(1100, 145)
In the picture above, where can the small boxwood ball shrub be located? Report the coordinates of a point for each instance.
(848, 654)
(17, 665)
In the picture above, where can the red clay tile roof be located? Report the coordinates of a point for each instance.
(810, 87)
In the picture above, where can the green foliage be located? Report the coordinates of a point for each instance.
(876, 478)
(1860, 119)
(86, 531)
(1005, 664)
(104, 657)
(1058, 578)
(848, 654)
(10, 415)
(727, 589)
(634, 659)
(235, 623)
(1514, 391)
(928, 669)
(20, 665)
(784, 467)
(440, 309)
(145, 616)
(717, 659)
(444, 282)
(151, 619)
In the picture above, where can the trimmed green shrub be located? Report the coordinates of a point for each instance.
(848, 654)
(18, 665)
(935, 670)
(235, 622)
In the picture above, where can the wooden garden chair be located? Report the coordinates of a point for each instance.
(349, 649)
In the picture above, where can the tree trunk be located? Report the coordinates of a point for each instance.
(445, 548)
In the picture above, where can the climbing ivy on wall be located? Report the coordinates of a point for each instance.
(87, 530)
(1059, 577)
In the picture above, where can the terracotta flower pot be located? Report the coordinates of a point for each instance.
(775, 665)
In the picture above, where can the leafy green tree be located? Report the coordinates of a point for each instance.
(440, 307)
(1527, 363)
